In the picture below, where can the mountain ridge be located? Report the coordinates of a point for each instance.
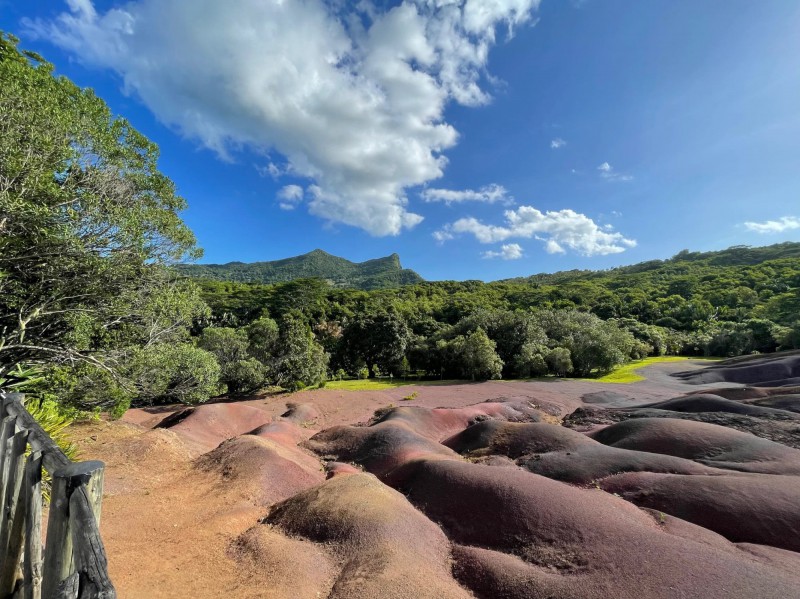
(376, 273)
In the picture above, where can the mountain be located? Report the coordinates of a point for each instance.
(373, 274)
(738, 256)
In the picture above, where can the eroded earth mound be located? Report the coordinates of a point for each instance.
(543, 490)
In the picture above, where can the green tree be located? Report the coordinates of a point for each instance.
(475, 356)
(380, 340)
(262, 335)
(300, 361)
(240, 372)
(559, 361)
(175, 373)
(530, 361)
(87, 222)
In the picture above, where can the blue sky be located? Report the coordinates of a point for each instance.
(479, 140)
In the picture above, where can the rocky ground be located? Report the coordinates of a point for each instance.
(674, 487)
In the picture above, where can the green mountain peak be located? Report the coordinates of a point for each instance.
(377, 273)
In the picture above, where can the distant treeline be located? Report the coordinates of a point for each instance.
(580, 323)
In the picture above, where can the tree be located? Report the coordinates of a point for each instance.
(510, 331)
(262, 335)
(593, 344)
(530, 361)
(559, 361)
(380, 340)
(476, 357)
(300, 360)
(239, 371)
(180, 372)
(87, 221)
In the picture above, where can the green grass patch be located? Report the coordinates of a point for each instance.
(627, 373)
(380, 384)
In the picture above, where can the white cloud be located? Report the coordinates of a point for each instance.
(488, 194)
(290, 196)
(558, 229)
(785, 223)
(608, 173)
(270, 170)
(353, 98)
(557, 143)
(511, 251)
(551, 247)
(443, 235)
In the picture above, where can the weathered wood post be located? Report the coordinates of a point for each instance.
(33, 528)
(6, 432)
(68, 518)
(12, 525)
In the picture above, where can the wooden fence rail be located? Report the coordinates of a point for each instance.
(73, 564)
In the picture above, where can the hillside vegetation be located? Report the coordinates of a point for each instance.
(91, 300)
(339, 272)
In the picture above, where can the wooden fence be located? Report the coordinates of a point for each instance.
(73, 563)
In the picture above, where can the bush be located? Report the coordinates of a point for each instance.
(182, 373)
(530, 361)
(559, 361)
(239, 371)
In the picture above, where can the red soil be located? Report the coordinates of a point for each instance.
(458, 495)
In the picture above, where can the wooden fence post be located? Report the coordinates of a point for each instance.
(33, 527)
(12, 525)
(6, 432)
(59, 563)
(58, 543)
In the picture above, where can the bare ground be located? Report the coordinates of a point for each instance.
(470, 490)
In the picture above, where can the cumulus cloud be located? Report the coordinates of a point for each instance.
(488, 194)
(352, 96)
(557, 229)
(511, 251)
(785, 223)
(290, 196)
(443, 235)
(608, 173)
(270, 170)
(557, 143)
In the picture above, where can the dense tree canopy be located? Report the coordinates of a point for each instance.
(86, 218)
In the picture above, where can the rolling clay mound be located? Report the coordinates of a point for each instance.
(264, 471)
(750, 508)
(605, 398)
(264, 552)
(591, 463)
(709, 444)
(300, 413)
(781, 369)
(749, 393)
(465, 502)
(439, 423)
(281, 431)
(379, 448)
(401, 434)
(388, 549)
(513, 439)
(209, 425)
(519, 535)
(790, 403)
(161, 450)
(561, 453)
(706, 402)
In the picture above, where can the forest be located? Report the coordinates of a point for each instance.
(91, 302)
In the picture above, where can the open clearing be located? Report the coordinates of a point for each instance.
(547, 488)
